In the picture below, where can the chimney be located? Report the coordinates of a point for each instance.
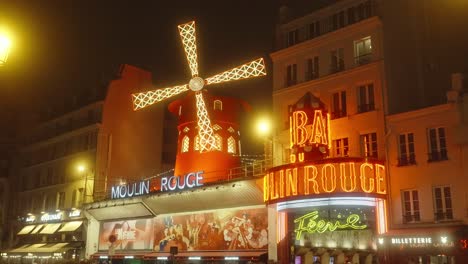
(453, 95)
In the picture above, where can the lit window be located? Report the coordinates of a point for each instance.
(341, 147)
(369, 145)
(218, 105)
(410, 206)
(363, 51)
(406, 154)
(443, 203)
(216, 127)
(219, 142)
(185, 144)
(231, 145)
(436, 144)
(196, 144)
(186, 129)
(231, 130)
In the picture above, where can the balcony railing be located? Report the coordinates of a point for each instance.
(337, 67)
(366, 107)
(407, 160)
(290, 82)
(437, 155)
(363, 59)
(411, 218)
(311, 75)
(441, 216)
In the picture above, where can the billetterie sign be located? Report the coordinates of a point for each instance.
(163, 184)
(343, 175)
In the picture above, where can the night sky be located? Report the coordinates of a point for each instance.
(62, 48)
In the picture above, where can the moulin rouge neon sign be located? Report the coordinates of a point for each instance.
(310, 223)
(171, 183)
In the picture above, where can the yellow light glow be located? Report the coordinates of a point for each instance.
(205, 131)
(189, 40)
(5, 44)
(81, 168)
(252, 69)
(141, 100)
(263, 127)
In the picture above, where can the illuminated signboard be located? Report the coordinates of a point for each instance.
(74, 213)
(170, 183)
(179, 183)
(130, 190)
(51, 217)
(418, 242)
(30, 219)
(311, 223)
(331, 176)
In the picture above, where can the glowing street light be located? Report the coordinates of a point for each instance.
(264, 127)
(5, 44)
(81, 168)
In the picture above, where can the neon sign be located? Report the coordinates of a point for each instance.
(333, 177)
(190, 180)
(309, 223)
(130, 190)
(30, 218)
(50, 217)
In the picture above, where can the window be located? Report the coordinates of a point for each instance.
(218, 105)
(314, 29)
(442, 203)
(337, 60)
(410, 206)
(219, 142)
(60, 200)
(437, 144)
(338, 20)
(196, 143)
(341, 147)
(185, 144)
(369, 145)
(217, 127)
(363, 51)
(406, 149)
(291, 75)
(292, 37)
(351, 15)
(231, 145)
(339, 105)
(312, 68)
(77, 197)
(366, 98)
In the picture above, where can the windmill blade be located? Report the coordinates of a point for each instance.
(187, 35)
(205, 131)
(141, 100)
(252, 69)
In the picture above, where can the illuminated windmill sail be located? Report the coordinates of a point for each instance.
(205, 131)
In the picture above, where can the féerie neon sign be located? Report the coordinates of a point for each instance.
(309, 223)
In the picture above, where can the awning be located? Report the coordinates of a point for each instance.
(50, 229)
(38, 227)
(71, 226)
(40, 248)
(26, 229)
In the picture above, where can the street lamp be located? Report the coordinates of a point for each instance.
(264, 129)
(5, 44)
(82, 168)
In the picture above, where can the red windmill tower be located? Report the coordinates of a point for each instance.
(208, 125)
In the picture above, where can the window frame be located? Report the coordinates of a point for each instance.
(341, 145)
(374, 150)
(409, 157)
(437, 152)
(341, 103)
(444, 213)
(366, 97)
(414, 214)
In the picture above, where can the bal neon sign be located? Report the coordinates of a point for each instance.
(306, 135)
(311, 224)
(190, 180)
(358, 176)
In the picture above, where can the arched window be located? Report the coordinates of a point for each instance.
(196, 143)
(219, 142)
(185, 144)
(217, 105)
(231, 145)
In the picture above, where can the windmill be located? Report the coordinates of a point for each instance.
(196, 84)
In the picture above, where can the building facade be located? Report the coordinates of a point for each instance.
(72, 160)
(335, 55)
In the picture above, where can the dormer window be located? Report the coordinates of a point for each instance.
(218, 105)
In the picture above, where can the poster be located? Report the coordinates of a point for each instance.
(129, 234)
(238, 229)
